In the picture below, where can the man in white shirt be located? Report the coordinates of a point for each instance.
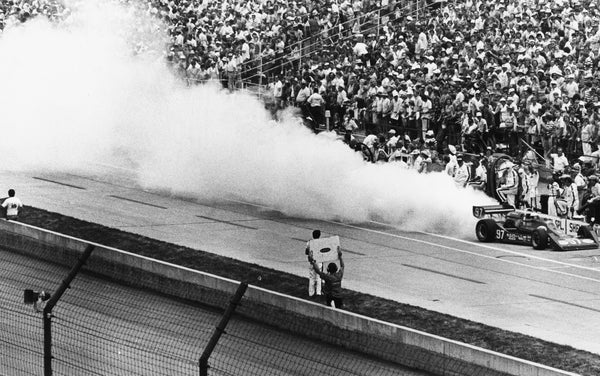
(12, 205)
(315, 103)
(301, 98)
(461, 173)
(559, 161)
(278, 92)
(314, 281)
(571, 87)
(360, 50)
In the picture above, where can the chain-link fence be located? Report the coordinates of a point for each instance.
(103, 328)
(258, 350)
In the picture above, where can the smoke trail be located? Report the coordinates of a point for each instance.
(74, 92)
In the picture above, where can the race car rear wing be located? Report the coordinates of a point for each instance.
(482, 211)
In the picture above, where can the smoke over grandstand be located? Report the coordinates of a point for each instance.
(73, 93)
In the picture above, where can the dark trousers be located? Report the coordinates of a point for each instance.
(339, 303)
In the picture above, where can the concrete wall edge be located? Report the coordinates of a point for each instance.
(485, 357)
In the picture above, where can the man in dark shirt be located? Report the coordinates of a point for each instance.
(333, 281)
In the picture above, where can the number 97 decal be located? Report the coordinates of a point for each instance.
(499, 234)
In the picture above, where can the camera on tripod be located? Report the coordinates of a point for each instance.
(37, 298)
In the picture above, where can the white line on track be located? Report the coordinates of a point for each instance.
(563, 264)
(515, 252)
(546, 269)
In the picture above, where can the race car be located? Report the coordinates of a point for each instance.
(506, 224)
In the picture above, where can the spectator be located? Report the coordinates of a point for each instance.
(315, 103)
(532, 77)
(349, 124)
(559, 162)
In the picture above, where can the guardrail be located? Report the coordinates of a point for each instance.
(387, 341)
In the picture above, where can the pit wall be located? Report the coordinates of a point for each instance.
(383, 340)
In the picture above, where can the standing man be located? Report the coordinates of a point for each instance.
(301, 98)
(461, 172)
(315, 103)
(507, 191)
(559, 162)
(333, 281)
(12, 205)
(231, 69)
(314, 281)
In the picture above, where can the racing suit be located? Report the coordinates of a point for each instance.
(571, 198)
(508, 191)
(461, 174)
(480, 180)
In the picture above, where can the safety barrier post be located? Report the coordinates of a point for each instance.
(220, 329)
(47, 313)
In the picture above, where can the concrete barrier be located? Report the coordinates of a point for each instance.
(387, 341)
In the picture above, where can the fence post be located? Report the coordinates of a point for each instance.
(260, 64)
(47, 313)
(47, 343)
(220, 329)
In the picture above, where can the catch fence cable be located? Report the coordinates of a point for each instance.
(247, 348)
(21, 332)
(102, 328)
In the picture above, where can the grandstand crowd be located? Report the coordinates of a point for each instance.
(421, 78)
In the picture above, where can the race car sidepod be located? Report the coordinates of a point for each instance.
(586, 239)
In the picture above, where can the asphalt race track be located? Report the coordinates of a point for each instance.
(550, 295)
(102, 328)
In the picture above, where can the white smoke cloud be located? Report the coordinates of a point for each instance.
(74, 93)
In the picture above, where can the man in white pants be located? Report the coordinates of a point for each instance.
(314, 280)
(507, 192)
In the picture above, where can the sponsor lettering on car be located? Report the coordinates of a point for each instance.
(511, 236)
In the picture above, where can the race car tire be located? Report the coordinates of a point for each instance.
(539, 238)
(366, 153)
(486, 230)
